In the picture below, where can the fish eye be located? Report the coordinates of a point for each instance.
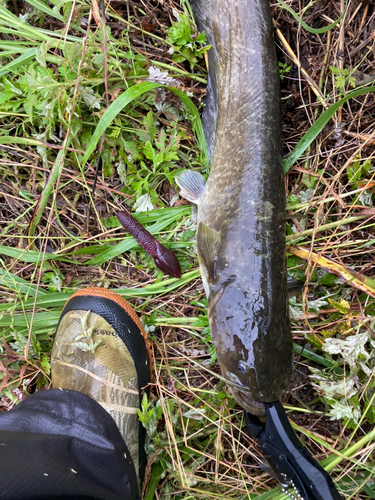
(241, 367)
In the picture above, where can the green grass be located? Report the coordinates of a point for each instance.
(61, 102)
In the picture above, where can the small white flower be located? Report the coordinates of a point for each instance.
(57, 281)
(366, 198)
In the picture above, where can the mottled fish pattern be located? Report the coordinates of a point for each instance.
(241, 224)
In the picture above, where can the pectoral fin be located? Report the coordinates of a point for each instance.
(208, 244)
(192, 185)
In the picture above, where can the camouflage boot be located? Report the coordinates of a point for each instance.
(101, 350)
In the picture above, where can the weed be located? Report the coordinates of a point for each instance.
(52, 105)
(186, 43)
(54, 281)
(343, 78)
(152, 159)
(284, 69)
(149, 415)
(343, 392)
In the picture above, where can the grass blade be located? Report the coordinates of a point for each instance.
(126, 98)
(45, 319)
(304, 25)
(58, 299)
(306, 353)
(10, 22)
(13, 65)
(24, 255)
(357, 280)
(44, 197)
(19, 285)
(44, 8)
(197, 123)
(156, 473)
(321, 122)
(46, 299)
(20, 140)
(152, 215)
(31, 256)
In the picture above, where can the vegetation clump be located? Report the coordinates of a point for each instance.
(123, 98)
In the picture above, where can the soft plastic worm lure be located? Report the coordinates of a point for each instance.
(164, 259)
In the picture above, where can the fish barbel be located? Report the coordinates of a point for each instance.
(241, 223)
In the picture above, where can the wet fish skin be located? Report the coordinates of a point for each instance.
(241, 230)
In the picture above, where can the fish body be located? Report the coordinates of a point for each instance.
(241, 228)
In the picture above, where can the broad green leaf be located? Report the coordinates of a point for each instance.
(320, 123)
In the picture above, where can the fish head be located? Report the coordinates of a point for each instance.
(253, 349)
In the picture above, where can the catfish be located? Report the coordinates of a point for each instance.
(241, 207)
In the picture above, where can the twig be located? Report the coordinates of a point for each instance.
(362, 45)
(362, 137)
(100, 161)
(341, 54)
(325, 61)
(365, 12)
(313, 85)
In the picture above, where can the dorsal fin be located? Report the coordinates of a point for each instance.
(208, 244)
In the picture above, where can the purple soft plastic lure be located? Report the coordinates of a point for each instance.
(164, 259)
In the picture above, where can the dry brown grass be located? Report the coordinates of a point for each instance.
(199, 440)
